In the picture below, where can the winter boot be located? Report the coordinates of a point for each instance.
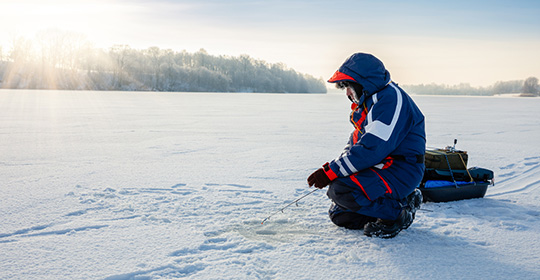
(389, 228)
(414, 200)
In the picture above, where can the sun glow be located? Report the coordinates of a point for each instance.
(45, 39)
(94, 19)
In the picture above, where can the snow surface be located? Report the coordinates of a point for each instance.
(124, 185)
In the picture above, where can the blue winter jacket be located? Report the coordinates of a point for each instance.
(387, 123)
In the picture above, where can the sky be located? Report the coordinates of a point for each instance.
(443, 42)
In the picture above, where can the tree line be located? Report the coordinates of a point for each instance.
(63, 60)
(57, 59)
(527, 87)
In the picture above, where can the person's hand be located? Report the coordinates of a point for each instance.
(319, 179)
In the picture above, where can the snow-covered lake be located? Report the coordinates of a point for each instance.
(125, 185)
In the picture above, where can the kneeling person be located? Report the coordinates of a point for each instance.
(373, 182)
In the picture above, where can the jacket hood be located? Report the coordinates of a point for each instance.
(364, 69)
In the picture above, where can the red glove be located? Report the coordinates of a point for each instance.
(321, 177)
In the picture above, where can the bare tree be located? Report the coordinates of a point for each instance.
(118, 54)
(154, 55)
(531, 86)
(21, 50)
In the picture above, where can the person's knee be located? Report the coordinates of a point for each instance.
(346, 196)
(351, 220)
(348, 219)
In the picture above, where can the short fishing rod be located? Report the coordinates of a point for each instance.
(294, 202)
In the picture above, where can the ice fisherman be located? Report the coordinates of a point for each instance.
(372, 184)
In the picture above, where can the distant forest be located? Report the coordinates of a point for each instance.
(527, 87)
(64, 60)
(57, 59)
